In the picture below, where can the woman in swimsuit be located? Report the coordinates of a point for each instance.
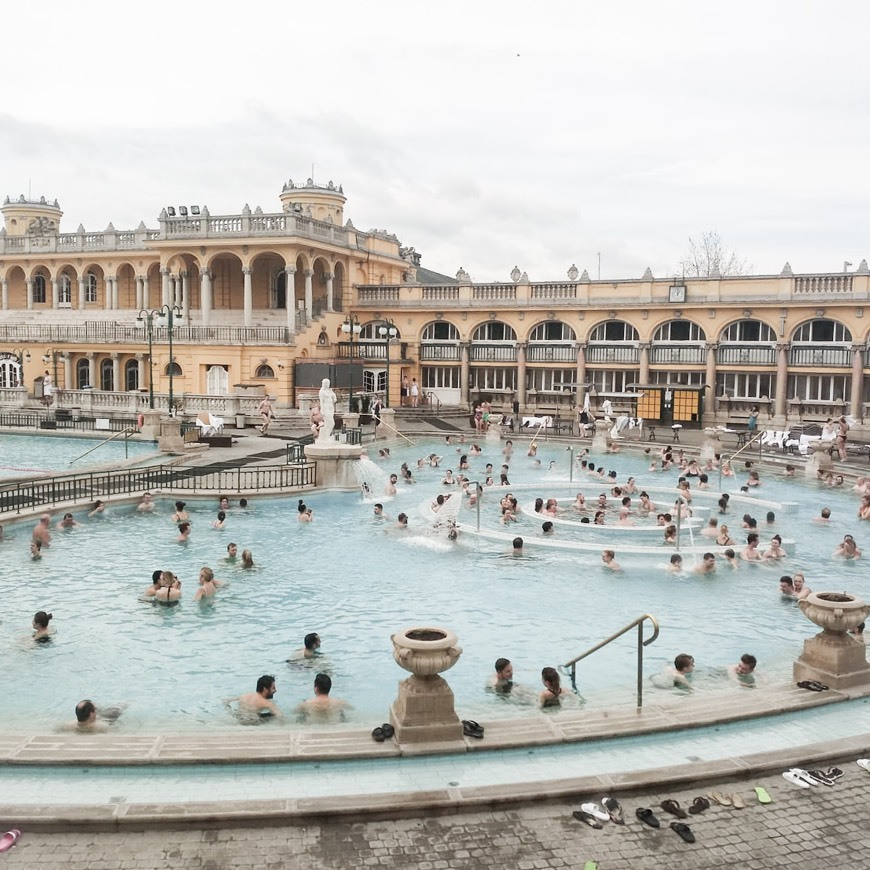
(170, 589)
(180, 515)
(41, 633)
(553, 691)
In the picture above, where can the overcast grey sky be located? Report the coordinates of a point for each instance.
(486, 134)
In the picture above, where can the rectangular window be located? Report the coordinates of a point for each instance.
(551, 380)
(483, 379)
(611, 381)
(819, 388)
(689, 379)
(441, 377)
(91, 288)
(739, 385)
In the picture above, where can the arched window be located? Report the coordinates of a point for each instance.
(131, 375)
(371, 331)
(679, 330)
(107, 375)
(83, 374)
(39, 288)
(822, 331)
(494, 330)
(613, 330)
(264, 371)
(748, 331)
(176, 370)
(552, 330)
(440, 330)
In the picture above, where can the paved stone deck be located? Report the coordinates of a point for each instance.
(818, 828)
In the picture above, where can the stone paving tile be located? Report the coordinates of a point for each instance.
(818, 828)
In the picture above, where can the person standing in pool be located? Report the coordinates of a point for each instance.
(180, 515)
(502, 681)
(309, 650)
(553, 693)
(41, 631)
(744, 671)
(321, 707)
(91, 719)
(232, 552)
(41, 531)
(146, 505)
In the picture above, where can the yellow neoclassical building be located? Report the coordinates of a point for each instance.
(218, 309)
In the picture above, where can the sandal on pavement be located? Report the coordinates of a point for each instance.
(737, 802)
(647, 816)
(795, 779)
(596, 811)
(9, 839)
(699, 805)
(684, 831)
(612, 806)
(587, 819)
(672, 807)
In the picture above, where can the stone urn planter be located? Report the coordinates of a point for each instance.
(424, 711)
(833, 657)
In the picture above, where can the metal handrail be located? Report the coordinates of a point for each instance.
(126, 432)
(733, 456)
(641, 643)
(431, 400)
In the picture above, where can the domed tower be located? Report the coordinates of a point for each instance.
(25, 217)
(322, 202)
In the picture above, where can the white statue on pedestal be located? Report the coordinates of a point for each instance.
(327, 410)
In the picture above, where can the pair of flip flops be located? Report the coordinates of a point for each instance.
(809, 778)
(9, 839)
(383, 732)
(593, 814)
(812, 685)
(470, 728)
(731, 800)
(647, 816)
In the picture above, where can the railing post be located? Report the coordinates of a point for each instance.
(640, 664)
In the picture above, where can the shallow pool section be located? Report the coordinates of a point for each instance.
(355, 579)
(38, 454)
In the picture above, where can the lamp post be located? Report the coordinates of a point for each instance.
(351, 327)
(166, 316)
(387, 331)
(22, 353)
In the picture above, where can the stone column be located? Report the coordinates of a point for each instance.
(185, 295)
(779, 404)
(55, 293)
(107, 292)
(138, 302)
(521, 373)
(249, 297)
(581, 373)
(309, 293)
(140, 369)
(205, 296)
(4, 290)
(68, 372)
(711, 347)
(329, 280)
(91, 370)
(146, 293)
(116, 294)
(82, 294)
(116, 372)
(643, 374)
(165, 287)
(464, 373)
(855, 404)
(29, 285)
(290, 297)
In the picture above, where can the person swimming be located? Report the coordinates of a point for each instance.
(41, 632)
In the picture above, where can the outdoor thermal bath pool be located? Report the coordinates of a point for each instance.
(355, 580)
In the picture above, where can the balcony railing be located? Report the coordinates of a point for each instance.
(624, 354)
(440, 352)
(494, 292)
(119, 333)
(493, 353)
(551, 353)
(440, 293)
(677, 354)
(835, 357)
(561, 290)
(746, 355)
(823, 284)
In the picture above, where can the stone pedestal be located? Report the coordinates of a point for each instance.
(423, 714)
(833, 657)
(334, 470)
(820, 460)
(387, 429)
(599, 441)
(711, 446)
(169, 438)
(150, 428)
(493, 433)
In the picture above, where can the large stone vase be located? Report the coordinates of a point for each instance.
(833, 656)
(424, 714)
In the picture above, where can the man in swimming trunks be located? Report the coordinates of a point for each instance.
(232, 552)
(681, 673)
(502, 681)
(744, 671)
(41, 531)
(68, 522)
(517, 547)
(309, 649)
(750, 552)
(258, 703)
(91, 719)
(146, 505)
(321, 707)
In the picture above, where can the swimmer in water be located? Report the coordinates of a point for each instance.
(502, 681)
(232, 552)
(97, 509)
(247, 559)
(553, 693)
(219, 523)
(146, 505)
(170, 589)
(41, 632)
(304, 514)
(258, 704)
(36, 550)
(744, 671)
(180, 515)
(309, 650)
(183, 532)
(681, 673)
(207, 584)
(151, 591)
(608, 559)
(68, 522)
(321, 707)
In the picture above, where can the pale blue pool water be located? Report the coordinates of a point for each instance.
(355, 580)
(37, 454)
(241, 782)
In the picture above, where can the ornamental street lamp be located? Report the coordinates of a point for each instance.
(23, 354)
(387, 331)
(350, 328)
(167, 317)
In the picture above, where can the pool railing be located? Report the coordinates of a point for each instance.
(47, 492)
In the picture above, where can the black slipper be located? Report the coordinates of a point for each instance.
(699, 805)
(684, 831)
(812, 685)
(587, 819)
(672, 807)
(388, 730)
(614, 809)
(378, 734)
(647, 816)
(470, 728)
